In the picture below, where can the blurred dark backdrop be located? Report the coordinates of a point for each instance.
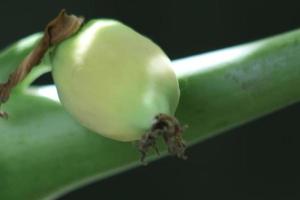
(259, 160)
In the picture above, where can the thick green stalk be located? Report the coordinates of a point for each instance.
(228, 87)
(44, 153)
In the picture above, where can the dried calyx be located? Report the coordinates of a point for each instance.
(169, 128)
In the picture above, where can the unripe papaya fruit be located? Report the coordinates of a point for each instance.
(114, 80)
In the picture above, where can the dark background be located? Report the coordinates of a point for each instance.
(259, 160)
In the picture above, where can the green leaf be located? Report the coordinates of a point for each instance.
(45, 153)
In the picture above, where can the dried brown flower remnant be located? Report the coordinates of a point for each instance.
(57, 30)
(171, 130)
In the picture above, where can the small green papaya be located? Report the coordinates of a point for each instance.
(114, 80)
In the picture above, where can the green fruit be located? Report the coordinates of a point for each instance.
(113, 80)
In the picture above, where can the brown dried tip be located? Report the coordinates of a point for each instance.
(57, 30)
(171, 130)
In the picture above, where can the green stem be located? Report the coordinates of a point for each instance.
(235, 85)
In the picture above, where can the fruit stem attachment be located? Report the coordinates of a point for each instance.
(57, 30)
(171, 130)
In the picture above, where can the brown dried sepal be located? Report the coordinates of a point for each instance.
(171, 130)
(57, 30)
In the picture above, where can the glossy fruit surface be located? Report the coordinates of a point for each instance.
(114, 80)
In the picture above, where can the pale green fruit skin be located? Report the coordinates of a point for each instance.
(113, 80)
